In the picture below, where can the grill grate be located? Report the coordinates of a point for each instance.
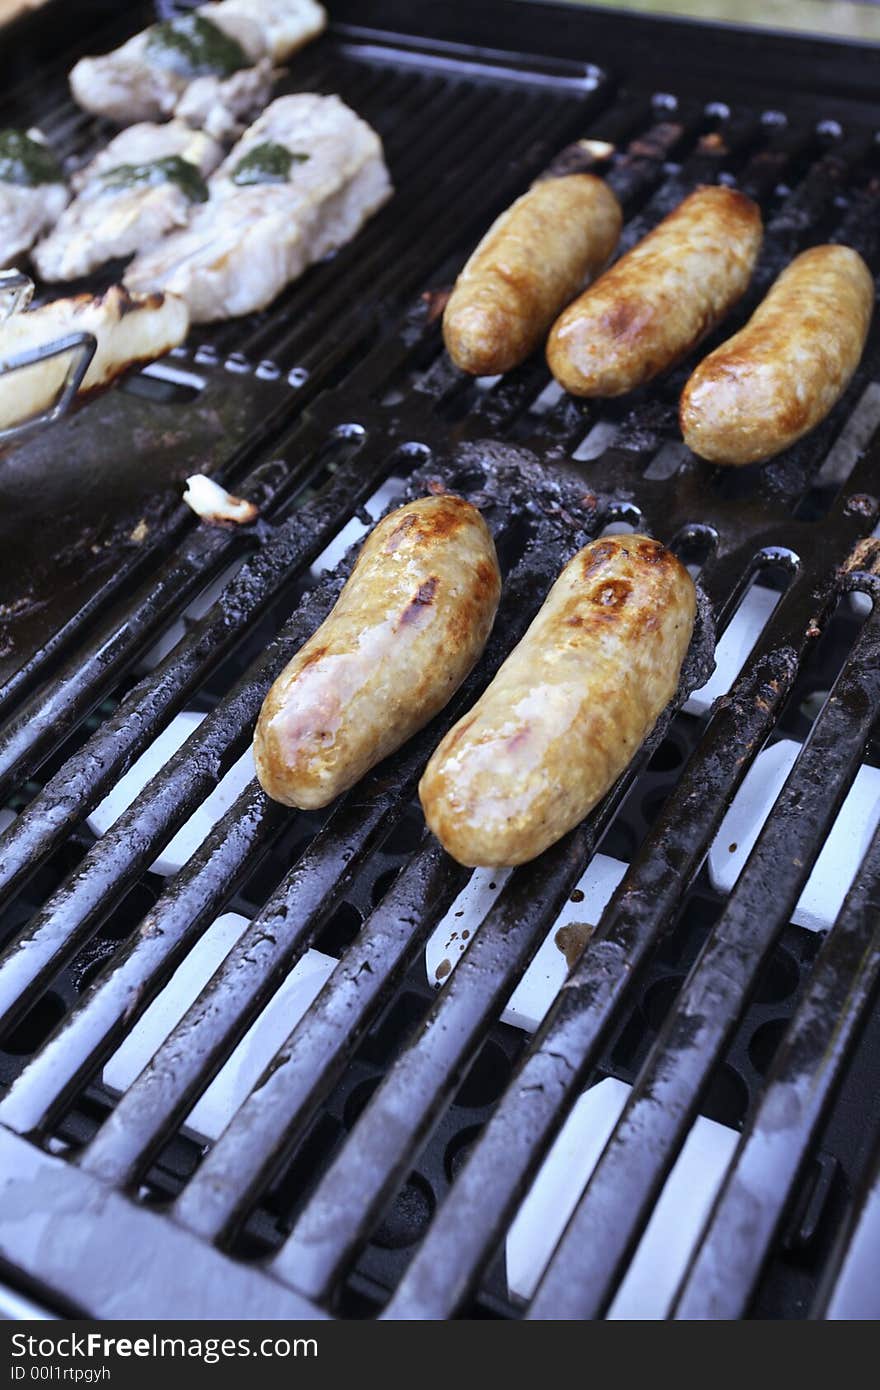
(379, 1163)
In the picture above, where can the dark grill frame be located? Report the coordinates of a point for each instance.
(327, 420)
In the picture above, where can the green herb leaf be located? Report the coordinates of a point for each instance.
(194, 47)
(267, 163)
(25, 161)
(172, 169)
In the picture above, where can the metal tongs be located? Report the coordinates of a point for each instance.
(16, 292)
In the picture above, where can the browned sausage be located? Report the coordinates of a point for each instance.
(652, 307)
(569, 707)
(406, 630)
(530, 263)
(779, 376)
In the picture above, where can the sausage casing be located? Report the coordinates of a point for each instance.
(779, 376)
(410, 623)
(569, 707)
(658, 300)
(532, 261)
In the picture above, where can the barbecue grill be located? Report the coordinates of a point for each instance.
(384, 1158)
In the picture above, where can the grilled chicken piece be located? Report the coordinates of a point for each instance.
(300, 183)
(146, 141)
(130, 329)
(32, 192)
(287, 25)
(141, 186)
(212, 67)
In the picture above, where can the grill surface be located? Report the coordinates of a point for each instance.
(380, 1161)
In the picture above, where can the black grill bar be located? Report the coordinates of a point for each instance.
(849, 1287)
(265, 576)
(61, 1253)
(55, 708)
(861, 226)
(465, 1232)
(808, 205)
(602, 1234)
(130, 982)
(787, 147)
(263, 1133)
(777, 1141)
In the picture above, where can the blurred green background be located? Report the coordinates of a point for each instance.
(842, 19)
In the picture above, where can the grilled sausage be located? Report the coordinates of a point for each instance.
(530, 263)
(406, 630)
(660, 299)
(780, 375)
(569, 707)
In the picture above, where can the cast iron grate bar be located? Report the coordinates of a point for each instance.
(849, 1287)
(776, 1143)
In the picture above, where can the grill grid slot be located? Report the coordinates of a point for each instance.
(352, 387)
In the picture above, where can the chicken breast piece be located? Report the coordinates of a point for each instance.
(143, 185)
(129, 329)
(32, 192)
(223, 108)
(225, 59)
(300, 183)
(286, 25)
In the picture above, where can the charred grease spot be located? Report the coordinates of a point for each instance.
(596, 556)
(444, 517)
(126, 305)
(652, 552)
(571, 940)
(401, 531)
(424, 597)
(427, 590)
(613, 593)
(435, 519)
(624, 321)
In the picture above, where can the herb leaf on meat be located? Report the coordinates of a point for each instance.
(266, 163)
(25, 161)
(194, 47)
(172, 169)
